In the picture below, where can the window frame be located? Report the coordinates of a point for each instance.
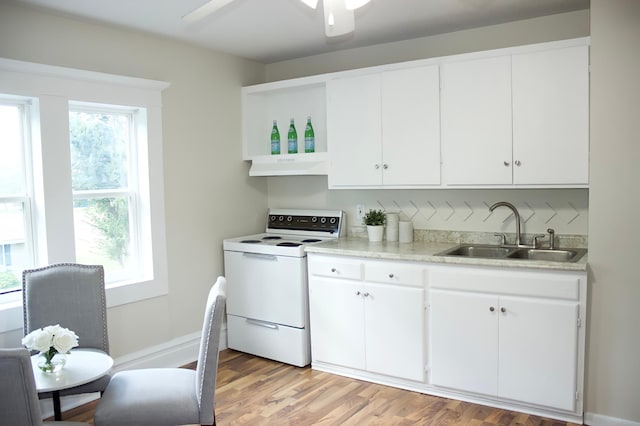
(24, 197)
(52, 88)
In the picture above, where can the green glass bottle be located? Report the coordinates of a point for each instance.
(292, 139)
(309, 137)
(275, 139)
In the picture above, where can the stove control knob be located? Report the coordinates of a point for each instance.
(332, 220)
(281, 218)
(289, 218)
(273, 218)
(314, 219)
(323, 220)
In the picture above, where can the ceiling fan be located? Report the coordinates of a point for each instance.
(338, 14)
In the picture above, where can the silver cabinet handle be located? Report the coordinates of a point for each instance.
(390, 275)
(503, 309)
(333, 270)
(262, 324)
(491, 308)
(385, 166)
(366, 295)
(506, 163)
(358, 293)
(377, 166)
(518, 163)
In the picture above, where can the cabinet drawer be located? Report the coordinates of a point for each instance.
(558, 284)
(335, 267)
(394, 273)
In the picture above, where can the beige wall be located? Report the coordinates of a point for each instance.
(613, 380)
(208, 193)
(538, 30)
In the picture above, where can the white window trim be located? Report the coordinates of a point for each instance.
(54, 87)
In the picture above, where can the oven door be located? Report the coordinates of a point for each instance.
(267, 287)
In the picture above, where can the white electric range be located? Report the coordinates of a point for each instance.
(267, 290)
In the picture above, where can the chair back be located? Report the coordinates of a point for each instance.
(68, 294)
(207, 368)
(19, 404)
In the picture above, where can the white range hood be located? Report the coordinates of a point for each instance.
(288, 165)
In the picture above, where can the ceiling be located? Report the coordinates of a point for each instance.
(274, 30)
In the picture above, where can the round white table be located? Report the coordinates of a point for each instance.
(82, 366)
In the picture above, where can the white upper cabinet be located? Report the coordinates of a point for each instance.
(383, 129)
(551, 116)
(514, 117)
(476, 121)
(354, 131)
(520, 119)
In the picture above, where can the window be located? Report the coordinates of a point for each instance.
(80, 179)
(15, 247)
(105, 191)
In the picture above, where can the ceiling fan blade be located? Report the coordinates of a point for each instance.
(337, 19)
(311, 3)
(205, 10)
(355, 4)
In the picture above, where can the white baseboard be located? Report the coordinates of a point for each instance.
(593, 419)
(174, 353)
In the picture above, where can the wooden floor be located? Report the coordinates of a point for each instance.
(256, 391)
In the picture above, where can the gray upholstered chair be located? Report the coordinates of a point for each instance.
(73, 296)
(19, 404)
(169, 396)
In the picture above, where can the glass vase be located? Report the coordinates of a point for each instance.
(53, 365)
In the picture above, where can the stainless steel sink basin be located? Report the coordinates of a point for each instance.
(557, 255)
(488, 251)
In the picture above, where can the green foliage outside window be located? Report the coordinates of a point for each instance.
(8, 280)
(99, 160)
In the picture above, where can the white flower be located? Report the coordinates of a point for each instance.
(53, 336)
(64, 340)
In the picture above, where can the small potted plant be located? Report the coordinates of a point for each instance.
(375, 220)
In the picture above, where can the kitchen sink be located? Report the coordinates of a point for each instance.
(557, 255)
(488, 251)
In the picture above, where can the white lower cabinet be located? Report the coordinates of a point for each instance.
(514, 335)
(359, 323)
(508, 337)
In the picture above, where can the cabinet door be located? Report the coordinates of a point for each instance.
(394, 330)
(551, 117)
(411, 126)
(538, 351)
(353, 131)
(464, 341)
(476, 122)
(337, 322)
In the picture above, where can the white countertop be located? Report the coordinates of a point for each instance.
(419, 251)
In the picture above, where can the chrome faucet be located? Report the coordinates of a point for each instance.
(515, 213)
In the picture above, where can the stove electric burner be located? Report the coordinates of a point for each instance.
(311, 240)
(251, 241)
(272, 237)
(288, 244)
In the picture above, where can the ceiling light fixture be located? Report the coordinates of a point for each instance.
(338, 15)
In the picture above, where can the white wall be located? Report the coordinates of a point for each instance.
(208, 193)
(613, 379)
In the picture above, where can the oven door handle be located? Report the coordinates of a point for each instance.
(262, 324)
(261, 256)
